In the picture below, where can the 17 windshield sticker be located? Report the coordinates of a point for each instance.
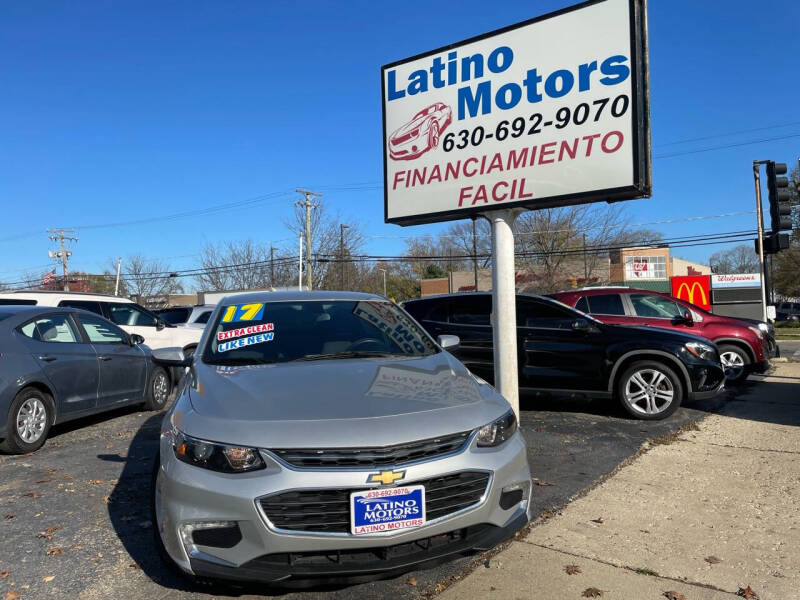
(247, 341)
(243, 312)
(252, 329)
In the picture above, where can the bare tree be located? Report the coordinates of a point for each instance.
(739, 259)
(147, 277)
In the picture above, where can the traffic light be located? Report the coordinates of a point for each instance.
(780, 210)
(773, 243)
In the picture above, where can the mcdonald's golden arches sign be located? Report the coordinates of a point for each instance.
(695, 289)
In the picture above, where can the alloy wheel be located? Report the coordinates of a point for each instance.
(649, 391)
(160, 388)
(31, 420)
(733, 364)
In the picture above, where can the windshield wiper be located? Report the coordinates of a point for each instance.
(240, 361)
(346, 354)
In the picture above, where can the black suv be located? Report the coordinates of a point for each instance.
(562, 350)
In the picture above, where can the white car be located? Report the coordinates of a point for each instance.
(131, 317)
(194, 317)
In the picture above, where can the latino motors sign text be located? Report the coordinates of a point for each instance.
(548, 112)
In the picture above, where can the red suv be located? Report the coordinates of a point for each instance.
(743, 346)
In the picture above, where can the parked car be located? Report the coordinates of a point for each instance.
(59, 364)
(787, 311)
(744, 347)
(328, 424)
(563, 351)
(122, 311)
(194, 317)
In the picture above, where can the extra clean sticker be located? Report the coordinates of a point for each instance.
(248, 341)
(252, 329)
(243, 312)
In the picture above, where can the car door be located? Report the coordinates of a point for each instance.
(656, 311)
(122, 366)
(553, 354)
(68, 362)
(469, 317)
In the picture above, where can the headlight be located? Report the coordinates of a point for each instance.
(216, 457)
(497, 432)
(763, 327)
(757, 331)
(701, 350)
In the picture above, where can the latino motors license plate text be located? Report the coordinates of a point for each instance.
(388, 509)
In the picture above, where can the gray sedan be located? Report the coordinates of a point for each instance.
(59, 364)
(325, 434)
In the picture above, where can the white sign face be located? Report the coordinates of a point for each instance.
(645, 267)
(738, 280)
(545, 113)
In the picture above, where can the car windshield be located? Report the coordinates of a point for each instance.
(275, 332)
(425, 111)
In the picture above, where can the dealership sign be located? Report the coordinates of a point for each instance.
(549, 112)
(695, 289)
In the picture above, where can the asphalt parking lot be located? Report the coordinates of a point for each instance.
(75, 522)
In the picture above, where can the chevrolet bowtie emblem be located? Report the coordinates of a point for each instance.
(386, 477)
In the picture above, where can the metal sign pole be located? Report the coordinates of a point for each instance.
(504, 310)
(757, 179)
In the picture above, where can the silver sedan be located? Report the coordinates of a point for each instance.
(325, 434)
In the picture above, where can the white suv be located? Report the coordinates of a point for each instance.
(133, 318)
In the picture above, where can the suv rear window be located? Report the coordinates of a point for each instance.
(606, 304)
(89, 305)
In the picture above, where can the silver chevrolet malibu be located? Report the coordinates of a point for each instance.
(322, 435)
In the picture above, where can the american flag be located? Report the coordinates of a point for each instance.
(49, 278)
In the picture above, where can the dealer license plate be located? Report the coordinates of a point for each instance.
(387, 509)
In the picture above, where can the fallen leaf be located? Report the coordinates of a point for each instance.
(411, 581)
(48, 533)
(135, 566)
(747, 593)
(572, 569)
(8, 516)
(12, 595)
(4, 574)
(592, 593)
(544, 483)
(78, 547)
(713, 560)
(48, 578)
(49, 470)
(33, 495)
(95, 481)
(44, 481)
(109, 446)
(674, 596)
(100, 555)
(54, 552)
(598, 520)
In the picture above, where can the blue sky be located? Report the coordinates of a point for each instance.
(120, 111)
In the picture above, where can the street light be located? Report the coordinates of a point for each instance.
(384, 280)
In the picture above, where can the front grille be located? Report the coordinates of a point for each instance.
(373, 457)
(328, 511)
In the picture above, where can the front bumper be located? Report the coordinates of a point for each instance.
(707, 378)
(189, 495)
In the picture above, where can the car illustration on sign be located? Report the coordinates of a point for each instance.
(421, 133)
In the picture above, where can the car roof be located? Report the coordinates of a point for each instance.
(57, 295)
(473, 294)
(296, 296)
(30, 310)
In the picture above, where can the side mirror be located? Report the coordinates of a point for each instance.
(136, 339)
(687, 317)
(171, 357)
(160, 324)
(448, 341)
(581, 325)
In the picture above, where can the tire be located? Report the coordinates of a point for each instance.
(158, 390)
(735, 361)
(650, 390)
(28, 422)
(433, 136)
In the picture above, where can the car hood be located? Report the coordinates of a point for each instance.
(410, 126)
(336, 403)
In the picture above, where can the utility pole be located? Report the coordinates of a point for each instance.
(342, 227)
(475, 254)
(308, 206)
(300, 266)
(63, 254)
(116, 285)
(585, 269)
(384, 280)
(272, 266)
